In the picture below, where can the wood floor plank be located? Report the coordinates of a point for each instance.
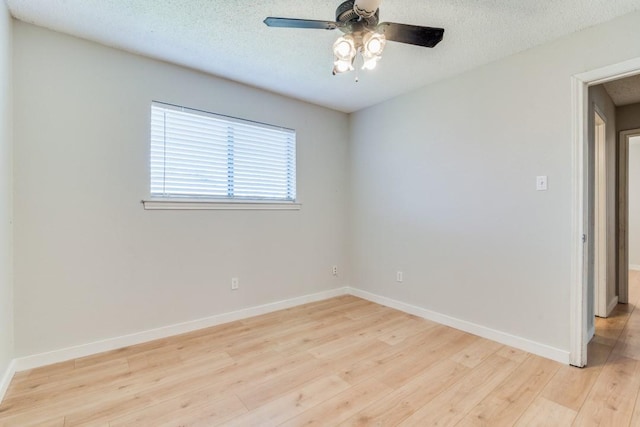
(570, 386)
(608, 329)
(327, 333)
(127, 382)
(395, 375)
(412, 326)
(260, 391)
(503, 406)
(342, 406)
(395, 407)
(175, 382)
(187, 407)
(514, 354)
(43, 422)
(545, 413)
(450, 406)
(292, 404)
(474, 354)
(628, 343)
(402, 354)
(213, 413)
(91, 401)
(170, 388)
(31, 374)
(60, 380)
(613, 396)
(635, 417)
(372, 330)
(371, 309)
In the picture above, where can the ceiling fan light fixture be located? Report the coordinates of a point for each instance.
(370, 62)
(345, 48)
(342, 66)
(363, 35)
(373, 43)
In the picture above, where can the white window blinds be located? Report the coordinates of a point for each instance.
(195, 154)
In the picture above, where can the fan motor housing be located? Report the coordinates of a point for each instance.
(352, 22)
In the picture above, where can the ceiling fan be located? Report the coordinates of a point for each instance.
(358, 19)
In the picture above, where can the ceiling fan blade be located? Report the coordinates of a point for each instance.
(300, 23)
(411, 34)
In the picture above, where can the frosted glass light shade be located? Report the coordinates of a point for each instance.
(344, 48)
(342, 66)
(373, 44)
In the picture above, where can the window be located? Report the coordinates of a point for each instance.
(203, 156)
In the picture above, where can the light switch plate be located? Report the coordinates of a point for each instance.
(541, 183)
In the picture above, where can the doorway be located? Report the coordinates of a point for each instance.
(587, 228)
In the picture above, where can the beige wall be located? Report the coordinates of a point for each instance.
(6, 192)
(628, 117)
(90, 263)
(443, 188)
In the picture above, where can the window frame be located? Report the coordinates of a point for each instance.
(204, 202)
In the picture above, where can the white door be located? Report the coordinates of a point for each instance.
(600, 217)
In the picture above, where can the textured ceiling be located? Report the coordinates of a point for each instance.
(624, 91)
(227, 38)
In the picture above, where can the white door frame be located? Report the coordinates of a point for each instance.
(578, 310)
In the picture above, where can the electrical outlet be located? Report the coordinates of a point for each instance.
(334, 270)
(235, 283)
(399, 276)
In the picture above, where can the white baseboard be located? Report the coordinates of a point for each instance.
(612, 305)
(543, 350)
(6, 378)
(635, 267)
(48, 358)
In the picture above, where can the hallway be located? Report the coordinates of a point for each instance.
(612, 377)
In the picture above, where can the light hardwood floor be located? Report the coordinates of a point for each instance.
(343, 361)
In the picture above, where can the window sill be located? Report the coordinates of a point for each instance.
(219, 205)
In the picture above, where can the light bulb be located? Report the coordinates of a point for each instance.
(344, 48)
(374, 46)
(374, 43)
(342, 66)
(370, 63)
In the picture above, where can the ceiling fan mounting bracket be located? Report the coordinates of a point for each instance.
(351, 22)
